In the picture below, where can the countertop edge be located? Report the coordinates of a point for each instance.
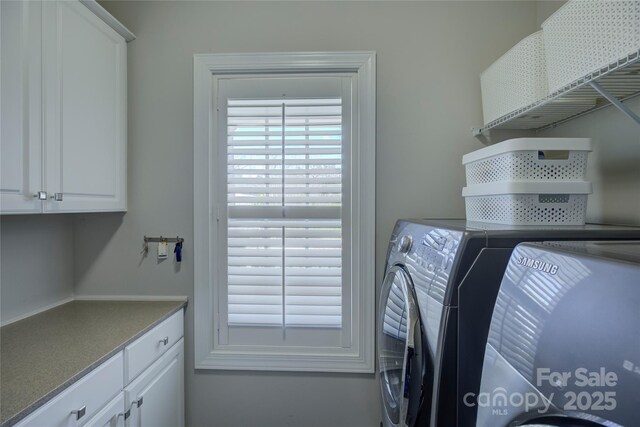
(56, 391)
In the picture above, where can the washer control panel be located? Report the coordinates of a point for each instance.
(436, 255)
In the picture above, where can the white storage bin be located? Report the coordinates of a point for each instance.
(586, 35)
(529, 159)
(516, 80)
(528, 203)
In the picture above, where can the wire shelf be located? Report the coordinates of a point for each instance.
(620, 79)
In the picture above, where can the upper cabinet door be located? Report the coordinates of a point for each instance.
(20, 107)
(84, 75)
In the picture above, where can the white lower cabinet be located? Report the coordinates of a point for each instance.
(106, 396)
(142, 352)
(157, 395)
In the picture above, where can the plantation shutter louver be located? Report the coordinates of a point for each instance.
(284, 224)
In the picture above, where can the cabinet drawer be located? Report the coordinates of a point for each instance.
(91, 392)
(152, 345)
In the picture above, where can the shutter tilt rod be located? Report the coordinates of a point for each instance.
(615, 101)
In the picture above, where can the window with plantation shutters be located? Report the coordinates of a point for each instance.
(284, 203)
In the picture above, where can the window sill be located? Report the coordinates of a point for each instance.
(224, 360)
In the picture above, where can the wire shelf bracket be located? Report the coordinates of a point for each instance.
(619, 105)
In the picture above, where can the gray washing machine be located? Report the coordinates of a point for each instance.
(564, 343)
(435, 306)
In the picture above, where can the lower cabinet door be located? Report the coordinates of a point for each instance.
(156, 397)
(111, 415)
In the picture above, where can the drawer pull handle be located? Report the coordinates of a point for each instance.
(164, 341)
(138, 402)
(79, 413)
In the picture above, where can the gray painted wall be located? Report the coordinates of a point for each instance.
(36, 262)
(614, 165)
(430, 55)
(546, 8)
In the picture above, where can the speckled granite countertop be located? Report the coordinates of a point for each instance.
(42, 355)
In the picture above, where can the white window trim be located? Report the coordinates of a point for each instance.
(206, 66)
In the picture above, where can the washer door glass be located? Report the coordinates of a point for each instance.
(397, 321)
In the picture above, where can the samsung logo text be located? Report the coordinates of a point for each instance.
(536, 264)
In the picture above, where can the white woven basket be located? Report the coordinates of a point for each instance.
(529, 159)
(516, 80)
(528, 203)
(586, 35)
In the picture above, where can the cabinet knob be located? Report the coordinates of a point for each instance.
(79, 413)
(57, 197)
(40, 195)
(164, 341)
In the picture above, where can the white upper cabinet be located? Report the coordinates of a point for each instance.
(76, 117)
(20, 106)
(84, 75)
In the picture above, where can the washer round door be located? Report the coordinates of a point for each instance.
(400, 350)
